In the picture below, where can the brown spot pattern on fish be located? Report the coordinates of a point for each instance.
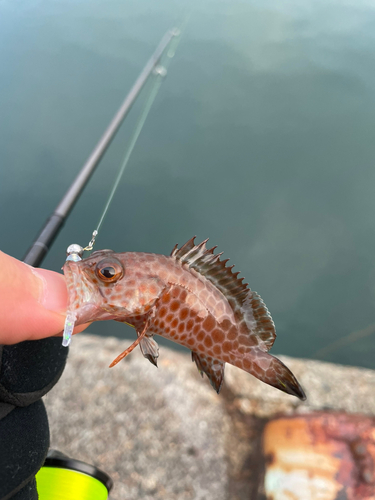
(190, 297)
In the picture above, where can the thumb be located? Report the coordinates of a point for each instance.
(33, 301)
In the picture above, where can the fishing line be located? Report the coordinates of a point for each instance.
(54, 223)
(75, 252)
(159, 73)
(343, 341)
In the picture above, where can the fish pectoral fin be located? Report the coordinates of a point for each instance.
(150, 349)
(127, 351)
(213, 368)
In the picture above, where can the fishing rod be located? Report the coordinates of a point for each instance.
(54, 223)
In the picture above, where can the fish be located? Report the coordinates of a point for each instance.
(190, 297)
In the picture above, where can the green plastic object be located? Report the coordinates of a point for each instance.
(63, 478)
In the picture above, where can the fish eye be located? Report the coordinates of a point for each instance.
(109, 270)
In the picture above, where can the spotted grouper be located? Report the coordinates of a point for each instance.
(190, 297)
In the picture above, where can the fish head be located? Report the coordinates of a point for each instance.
(109, 285)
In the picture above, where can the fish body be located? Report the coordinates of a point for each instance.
(190, 297)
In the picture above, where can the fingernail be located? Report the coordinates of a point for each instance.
(54, 295)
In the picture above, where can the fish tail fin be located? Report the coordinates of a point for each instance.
(272, 371)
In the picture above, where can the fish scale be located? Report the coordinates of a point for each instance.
(190, 297)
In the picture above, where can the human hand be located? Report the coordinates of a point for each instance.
(33, 302)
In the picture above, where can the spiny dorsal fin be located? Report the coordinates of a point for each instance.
(246, 304)
(204, 261)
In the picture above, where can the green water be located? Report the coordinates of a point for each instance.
(261, 138)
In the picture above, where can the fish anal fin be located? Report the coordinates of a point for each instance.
(150, 349)
(213, 368)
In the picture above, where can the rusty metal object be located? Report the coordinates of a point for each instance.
(325, 456)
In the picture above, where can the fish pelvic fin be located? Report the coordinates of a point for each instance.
(213, 368)
(150, 349)
(247, 305)
(272, 371)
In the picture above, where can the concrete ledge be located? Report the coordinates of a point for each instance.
(165, 434)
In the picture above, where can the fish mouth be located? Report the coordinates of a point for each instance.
(81, 294)
(86, 301)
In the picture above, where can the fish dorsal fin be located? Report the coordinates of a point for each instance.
(258, 320)
(246, 304)
(203, 260)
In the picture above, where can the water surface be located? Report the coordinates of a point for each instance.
(261, 138)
